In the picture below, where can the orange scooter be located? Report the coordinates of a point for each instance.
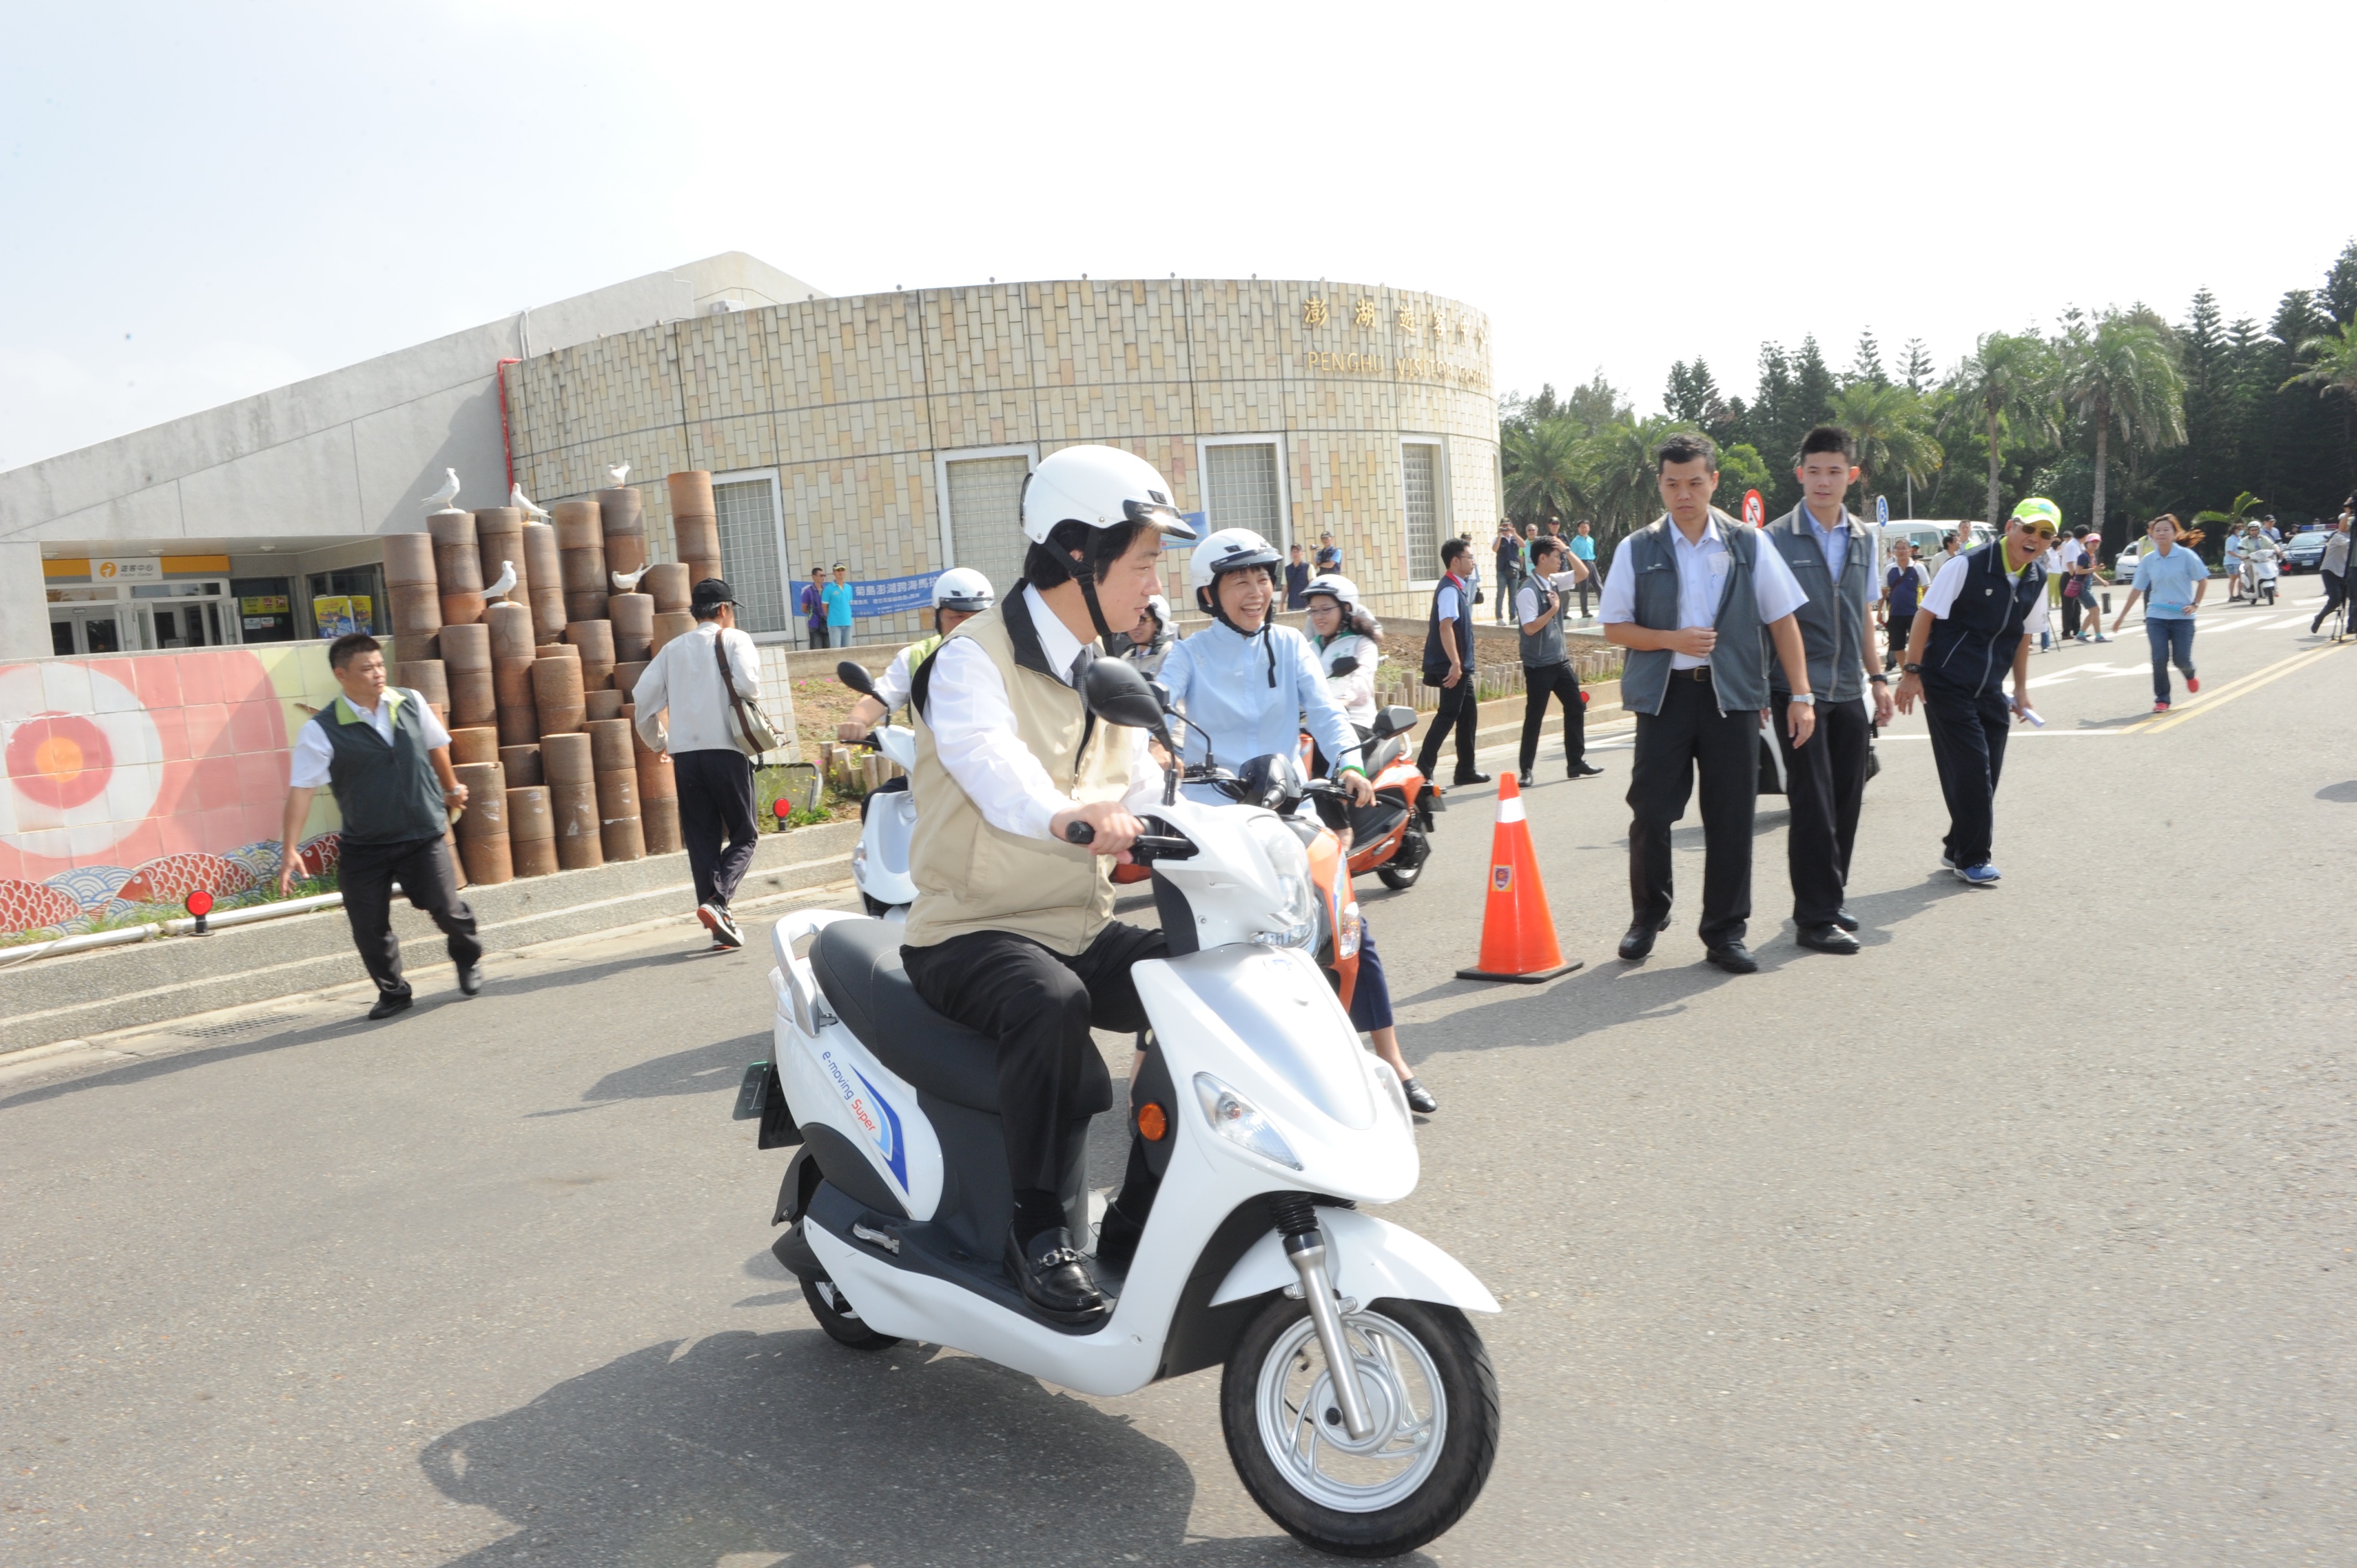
(1391, 837)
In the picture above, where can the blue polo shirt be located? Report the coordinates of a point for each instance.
(2167, 582)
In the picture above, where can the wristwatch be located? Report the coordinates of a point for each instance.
(1807, 699)
(1910, 670)
(1878, 680)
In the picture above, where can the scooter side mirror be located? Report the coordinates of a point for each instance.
(1117, 693)
(854, 674)
(1397, 719)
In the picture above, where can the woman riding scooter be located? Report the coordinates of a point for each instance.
(1145, 644)
(1340, 628)
(1248, 687)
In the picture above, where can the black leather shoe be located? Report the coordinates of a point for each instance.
(1117, 1239)
(1845, 919)
(1733, 957)
(1640, 940)
(470, 977)
(1055, 1278)
(1584, 769)
(1470, 778)
(1524, 779)
(1419, 1099)
(1825, 938)
(389, 1002)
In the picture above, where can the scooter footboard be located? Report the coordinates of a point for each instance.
(1367, 1258)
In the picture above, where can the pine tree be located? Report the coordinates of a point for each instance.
(2340, 286)
(1918, 370)
(1866, 369)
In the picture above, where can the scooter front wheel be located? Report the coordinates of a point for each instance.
(840, 1318)
(1428, 1388)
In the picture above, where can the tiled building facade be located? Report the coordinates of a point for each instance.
(890, 432)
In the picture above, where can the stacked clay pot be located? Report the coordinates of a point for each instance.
(633, 618)
(458, 567)
(658, 798)
(668, 624)
(522, 763)
(473, 746)
(568, 762)
(531, 831)
(499, 543)
(694, 526)
(467, 668)
(595, 638)
(666, 583)
(618, 789)
(605, 705)
(581, 560)
(424, 677)
(625, 527)
(557, 690)
(483, 830)
(545, 577)
(512, 657)
(410, 584)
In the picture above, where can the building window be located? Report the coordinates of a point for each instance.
(1420, 488)
(1240, 487)
(985, 497)
(751, 552)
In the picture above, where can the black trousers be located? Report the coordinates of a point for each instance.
(1689, 734)
(1039, 1006)
(1555, 681)
(2335, 590)
(1824, 784)
(1968, 736)
(818, 636)
(366, 873)
(1459, 709)
(716, 801)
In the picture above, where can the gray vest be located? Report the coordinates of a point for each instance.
(388, 794)
(1542, 650)
(1739, 661)
(1833, 622)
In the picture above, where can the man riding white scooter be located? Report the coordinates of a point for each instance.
(1011, 933)
(959, 594)
(2262, 565)
(1249, 687)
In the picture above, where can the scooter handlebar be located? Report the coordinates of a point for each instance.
(1142, 849)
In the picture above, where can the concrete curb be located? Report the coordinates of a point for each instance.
(116, 988)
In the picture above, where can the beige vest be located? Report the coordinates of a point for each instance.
(971, 877)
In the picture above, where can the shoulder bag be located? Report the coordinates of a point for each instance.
(748, 726)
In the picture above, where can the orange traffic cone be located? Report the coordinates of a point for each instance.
(1517, 933)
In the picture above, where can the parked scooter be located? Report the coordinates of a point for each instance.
(1392, 836)
(1266, 1124)
(887, 816)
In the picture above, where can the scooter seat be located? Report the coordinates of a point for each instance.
(858, 963)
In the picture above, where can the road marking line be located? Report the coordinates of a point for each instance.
(2229, 691)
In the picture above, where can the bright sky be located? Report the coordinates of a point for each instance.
(207, 201)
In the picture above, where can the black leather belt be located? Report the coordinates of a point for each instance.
(1699, 672)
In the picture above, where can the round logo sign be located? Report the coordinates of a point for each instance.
(1754, 510)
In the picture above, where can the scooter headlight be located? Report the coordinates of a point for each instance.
(1238, 1120)
(1297, 919)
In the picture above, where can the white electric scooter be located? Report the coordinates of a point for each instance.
(1267, 1125)
(887, 816)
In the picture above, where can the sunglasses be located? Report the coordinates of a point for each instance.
(2036, 532)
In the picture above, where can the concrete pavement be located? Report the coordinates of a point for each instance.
(2021, 1237)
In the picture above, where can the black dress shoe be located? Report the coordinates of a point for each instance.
(1470, 778)
(1419, 1099)
(1845, 919)
(1055, 1278)
(1732, 957)
(1826, 939)
(1117, 1239)
(1524, 779)
(389, 1002)
(1584, 769)
(1640, 940)
(470, 977)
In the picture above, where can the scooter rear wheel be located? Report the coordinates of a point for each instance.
(1428, 1385)
(840, 1318)
(1399, 878)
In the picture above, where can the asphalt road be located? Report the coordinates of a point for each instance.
(2021, 1238)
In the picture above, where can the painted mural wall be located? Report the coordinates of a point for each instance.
(134, 780)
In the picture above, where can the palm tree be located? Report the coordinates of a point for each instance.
(1621, 470)
(2123, 377)
(2332, 362)
(2006, 385)
(1893, 432)
(2234, 516)
(1546, 472)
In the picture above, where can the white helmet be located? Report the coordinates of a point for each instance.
(1338, 587)
(963, 589)
(1229, 550)
(1102, 487)
(1159, 608)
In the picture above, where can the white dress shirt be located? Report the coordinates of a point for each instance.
(893, 688)
(1833, 541)
(684, 682)
(974, 733)
(1701, 577)
(314, 752)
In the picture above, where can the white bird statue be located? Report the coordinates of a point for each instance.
(448, 494)
(526, 505)
(617, 476)
(628, 582)
(506, 585)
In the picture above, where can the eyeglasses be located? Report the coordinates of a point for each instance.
(2038, 533)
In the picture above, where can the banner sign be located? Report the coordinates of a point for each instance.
(892, 595)
(1754, 510)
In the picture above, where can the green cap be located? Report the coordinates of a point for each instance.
(2038, 509)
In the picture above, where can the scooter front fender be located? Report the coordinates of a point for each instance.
(1367, 1258)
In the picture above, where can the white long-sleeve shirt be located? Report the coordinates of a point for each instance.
(974, 733)
(684, 682)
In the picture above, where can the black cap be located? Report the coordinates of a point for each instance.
(710, 595)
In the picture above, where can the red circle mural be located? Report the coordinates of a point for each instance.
(59, 759)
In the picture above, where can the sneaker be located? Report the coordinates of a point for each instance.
(2193, 682)
(2161, 707)
(1948, 861)
(1981, 875)
(724, 930)
(2101, 638)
